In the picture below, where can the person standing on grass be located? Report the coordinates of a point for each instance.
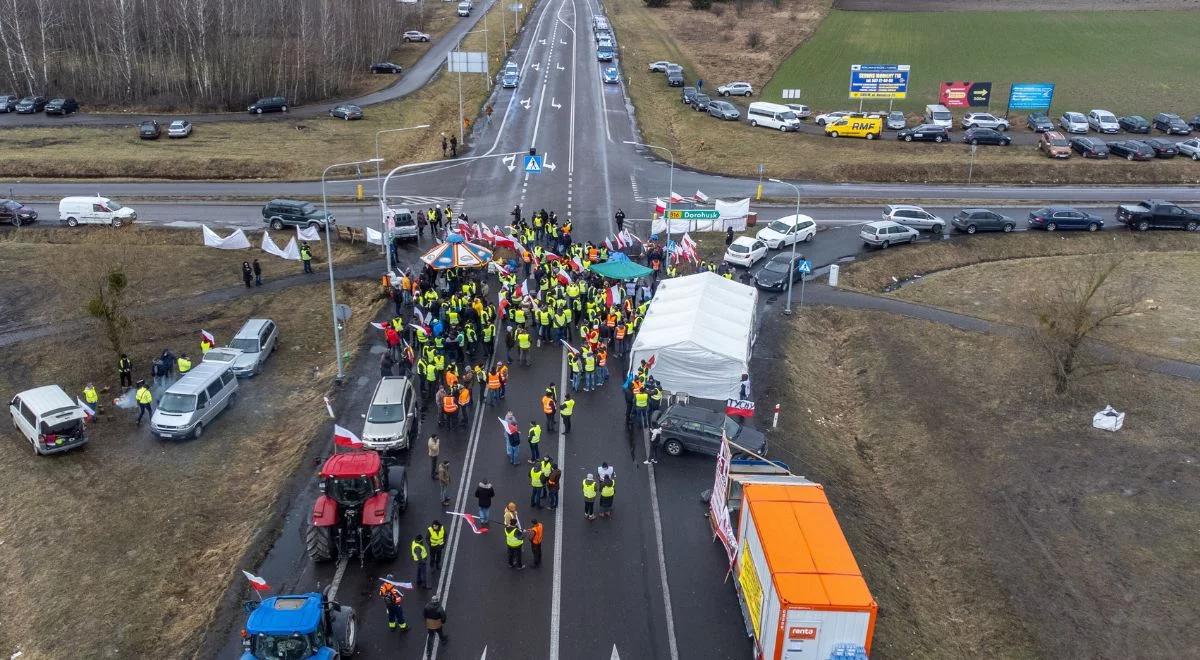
(454, 146)
(444, 143)
(125, 371)
(247, 273)
(443, 477)
(433, 446)
(306, 257)
(484, 493)
(257, 273)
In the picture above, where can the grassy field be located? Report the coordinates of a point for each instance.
(1127, 62)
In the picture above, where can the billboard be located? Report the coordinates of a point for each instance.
(466, 62)
(965, 94)
(1030, 96)
(879, 81)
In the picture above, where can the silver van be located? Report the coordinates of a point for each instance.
(404, 225)
(391, 419)
(194, 401)
(48, 419)
(257, 339)
(939, 115)
(464, 8)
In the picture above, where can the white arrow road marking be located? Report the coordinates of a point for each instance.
(510, 161)
(536, 66)
(484, 656)
(526, 102)
(560, 66)
(562, 42)
(542, 42)
(550, 166)
(615, 655)
(553, 104)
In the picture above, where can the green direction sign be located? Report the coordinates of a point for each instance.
(695, 214)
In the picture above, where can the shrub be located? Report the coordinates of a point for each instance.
(754, 40)
(701, 4)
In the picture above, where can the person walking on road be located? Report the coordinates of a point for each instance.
(512, 438)
(589, 497)
(437, 544)
(655, 441)
(435, 624)
(144, 398)
(535, 541)
(535, 441)
(247, 273)
(514, 540)
(641, 405)
(619, 216)
(433, 447)
(443, 477)
(608, 488)
(393, 600)
(553, 481)
(565, 410)
(488, 113)
(387, 364)
(537, 486)
(420, 555)
(484, 493)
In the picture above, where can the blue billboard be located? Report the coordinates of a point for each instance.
(879, 81)
(1030, 96)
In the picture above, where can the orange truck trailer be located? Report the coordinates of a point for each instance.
(800, 588)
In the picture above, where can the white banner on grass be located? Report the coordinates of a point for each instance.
(235, 241)
(374, 236)
(310, 233)
(681, 226)
(733, 210)
(291, 252)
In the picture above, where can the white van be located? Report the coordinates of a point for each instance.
(939, 115)
(773, 115)
(194, 401)
(464, 8)
(48, 419)
(94, 211)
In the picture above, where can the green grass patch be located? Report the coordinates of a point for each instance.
(1129, 62)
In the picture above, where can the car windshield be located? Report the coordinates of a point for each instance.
(776, 266)
(177, 403)
(731, 428)
(308, 209)
(176, 124)
(385, 413)
(11, 205)
(1058, 142)
(941, 115)
(113, 205)
(739, 248)
(246, 345)
(350, 492)
(780, 226)
(283, 647)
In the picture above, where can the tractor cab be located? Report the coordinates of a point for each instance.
(358, 511)
(298, 627)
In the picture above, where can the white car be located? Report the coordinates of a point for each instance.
(787, 230)
(822, 119)
(1103, 121)
(604, 42)
(414, 35)
(736, 89)
(1190, 148)
(1073, 122)
(914, 216)
(660, 66)
(802, 111)
(984, 120)
(180, 128)
(885, 233)
(744, 251)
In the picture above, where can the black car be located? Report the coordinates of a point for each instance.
(63, 106)
(8, 102)
(1134, 124)
(30, 105)
(1039, 122)
(692, 428)
(924, 133)
(16, 213)
(1171, 124)
(986, 136)
(973, 220)
(386, 67)
(1195, 123)
(700, 102)
(687, 93)
(674, 79)
(269, 104)
(149, 130)
(1162, 148)
(1052, 218)
(1131, 150)
(1089, 147)
(290, 212)
(346, 111)
(778, 271)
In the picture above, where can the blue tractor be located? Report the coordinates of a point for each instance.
(301, 627)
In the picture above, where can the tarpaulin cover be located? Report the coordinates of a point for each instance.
(235, 241)
(620, 269)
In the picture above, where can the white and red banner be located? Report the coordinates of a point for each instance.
(676, 197)
(739, 408)
(472, 520)
(700, 197)
(612, 295)
(256, 583)
(343, 437)
(208, 336)
(660, 206)
(563, 277)
(718, 507)
(399, 585)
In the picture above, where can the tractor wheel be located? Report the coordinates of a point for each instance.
(345, 631)
(385, 538)
(319, 542)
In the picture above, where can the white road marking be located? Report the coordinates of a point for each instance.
(615, 655)
(556, 588)
(554, 103)
(527, 102)
(484, 656)
(662, 562)
(560, 66)
(337, 577)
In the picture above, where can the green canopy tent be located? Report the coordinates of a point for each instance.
(620, 269)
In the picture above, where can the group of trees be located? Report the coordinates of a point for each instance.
(209, 54)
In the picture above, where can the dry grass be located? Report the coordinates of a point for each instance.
(989, 519)
(125, 548)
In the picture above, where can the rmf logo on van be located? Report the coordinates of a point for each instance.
(802, 632)
(862, 126)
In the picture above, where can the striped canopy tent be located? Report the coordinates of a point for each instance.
(456, 252)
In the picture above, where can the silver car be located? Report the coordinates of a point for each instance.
(257, 339)
(895, 121)
(724, 110)
(984, 120)
(391, 419)
(914, 216)
(180, 128)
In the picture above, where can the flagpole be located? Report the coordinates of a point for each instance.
(670, 183)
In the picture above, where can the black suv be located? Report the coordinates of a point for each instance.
(269, 104)
(149, 130)
(291, 212)
(687, 93)
(1134, 124)
(692, 428)
(1089, 147)
(16, 213)
(699, 102)
(1171, 124)
(62, 106)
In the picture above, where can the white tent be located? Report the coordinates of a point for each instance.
(700, 330)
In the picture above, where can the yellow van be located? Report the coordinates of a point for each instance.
(856, 125)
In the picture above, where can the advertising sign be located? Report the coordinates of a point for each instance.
(879, 81)
(1030, 96)
(965, 94)
(751, 590)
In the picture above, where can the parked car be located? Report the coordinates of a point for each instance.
(1089, 147)
(1073, 122)
(415, 35)
(736, 89)
(673, 67)
(511, 76)
(180, 128)
(885, 234)
(391, 422)
(16, 213)
(694, 428)
(610, 75)
(724, 110)
(986, 136)
(802, 111)
(1131, 150)
(660, 66)
(924, 133)
(1134, 124)
(787, 230)
(1103, 121)
(149, 130)
(772, 115)
(346, 111)
(49, 419)
(193, 402)
(94, 211)
(1195, 123)
(1171, 124)
(1054, 145)
(973, 220)
(674, 79)
(826, 117)
(257, 340)
(464, 8)
(745, 251)
(31, 104)
(778, 272)
(606, 54)
(604, 41)
(1157, 213)
(268, 104)
(62, 106)
(1052, 218)
(700, 102)
(1190, 148)
(686, 94)
(914, 216)
(984, 120)
(1163, 148)
(855, 125)
(895, 121)
(8, 103)
(387, 67)
(280, 213)
(1039, 122)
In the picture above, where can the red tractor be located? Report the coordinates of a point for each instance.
(358, 511)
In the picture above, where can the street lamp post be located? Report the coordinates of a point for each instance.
(337, 334)
(788, 307)
(670, 183)
(379, 183)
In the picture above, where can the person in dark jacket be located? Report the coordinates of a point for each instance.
(728, 236)
(484, 493)
(257, 273)
(247, 273)
(435, 623)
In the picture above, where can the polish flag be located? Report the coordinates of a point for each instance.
(609, 244)
(523, 288)
(419, 328)
(572, 349)
(550, 256)
(208, 336)
(345, 438)
(484, 233)
(659, 206)
(621, 244)
(508, 428)
(399, 585)
(502, 305)
(87, 410)
(563, 277)
(630, 238)
(650, 363)
(256, 583)
(471, 520)
(505, 241)
(676, 197)
(380, 326)
(576, 264)
(502, 269)
(700, 197)
(612, 296)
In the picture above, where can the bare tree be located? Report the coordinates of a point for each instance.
(1088, 299)
(108, 306)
